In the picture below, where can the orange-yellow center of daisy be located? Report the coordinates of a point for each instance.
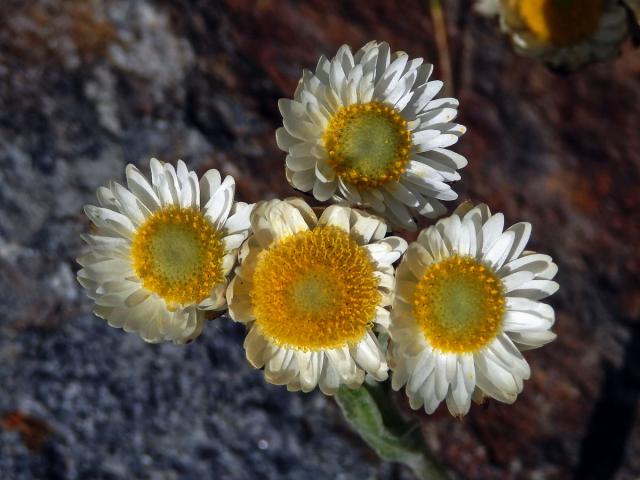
(560, 22)
(177, 253)
(459, 304)
(368, 144)
(315, 290)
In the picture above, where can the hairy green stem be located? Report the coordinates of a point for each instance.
(372, 413)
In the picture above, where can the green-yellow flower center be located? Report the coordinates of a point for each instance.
(368, 144)
(177, 253)
(315, 290)
(560, 22)
(459, 305)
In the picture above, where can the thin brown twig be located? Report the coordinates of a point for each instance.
(442, 44)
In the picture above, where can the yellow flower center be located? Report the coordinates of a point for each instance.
(368, 144)
(315, 290)
(560, 22)
(459, 304)
(177, 253)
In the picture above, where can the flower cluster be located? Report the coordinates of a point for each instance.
(318, 288)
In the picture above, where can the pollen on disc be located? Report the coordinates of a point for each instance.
(459, 304)
(177, 253)
(314, 290)
(368, 144)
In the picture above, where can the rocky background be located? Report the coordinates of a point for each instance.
(88, 86)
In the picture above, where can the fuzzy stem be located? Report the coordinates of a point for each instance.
(372, 413)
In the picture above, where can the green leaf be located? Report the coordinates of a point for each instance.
(373, 415)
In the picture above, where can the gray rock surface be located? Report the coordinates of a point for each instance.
(119, 409)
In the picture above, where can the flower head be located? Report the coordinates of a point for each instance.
(161, 252)
(366, 128)
(467, 301)
(565, 34)
(311, 290)
(634, 6)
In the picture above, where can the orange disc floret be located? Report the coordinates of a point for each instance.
(459, 304)
(177, 253)
(315, 290)
(368, 144)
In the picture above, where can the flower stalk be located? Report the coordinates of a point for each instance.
(372, 413)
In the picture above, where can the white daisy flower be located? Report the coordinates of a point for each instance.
(467, 302)
(565, 34)
(366, 128)
(161, 252)
(311, 290)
